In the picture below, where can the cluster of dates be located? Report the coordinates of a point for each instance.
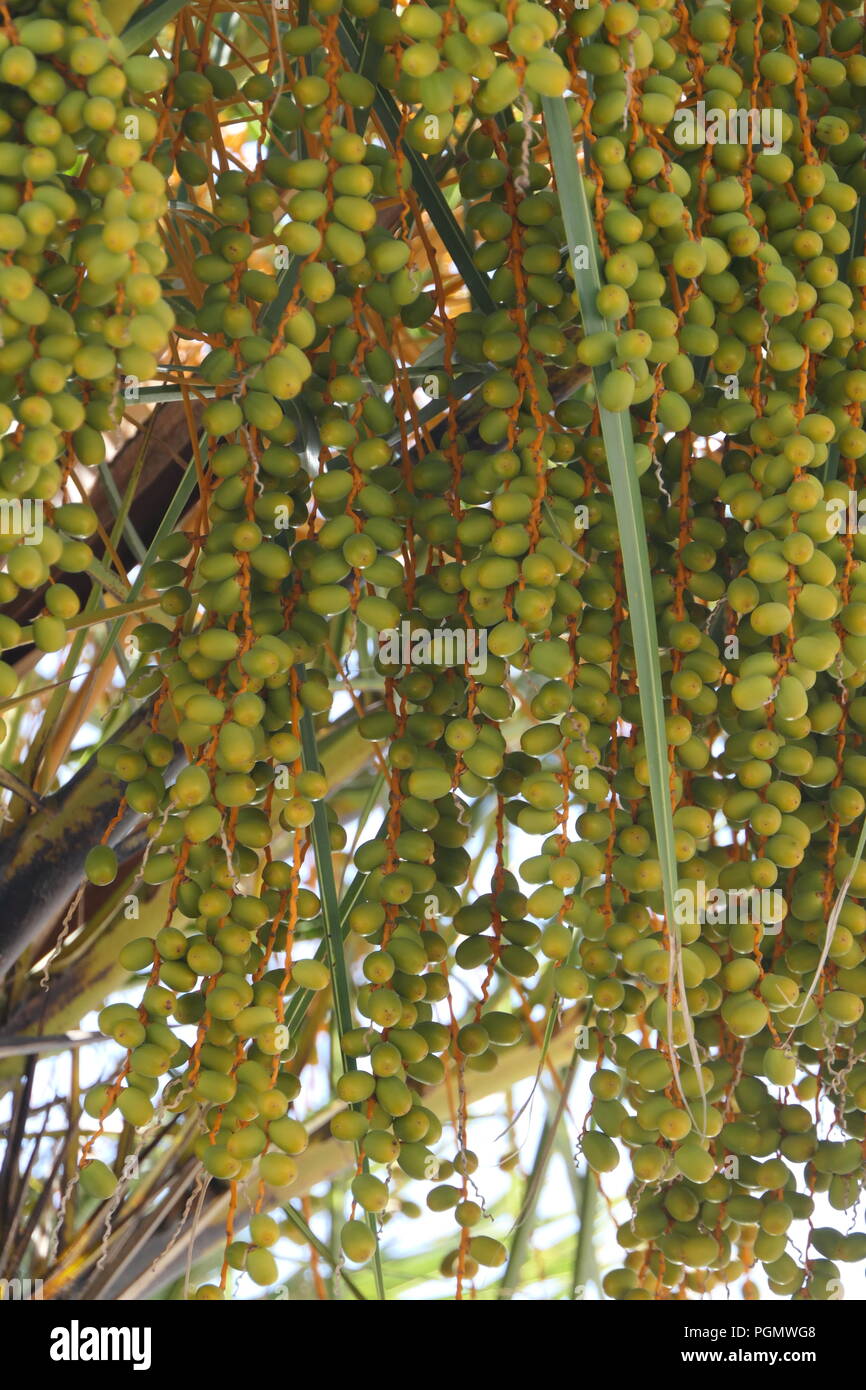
(735, 348)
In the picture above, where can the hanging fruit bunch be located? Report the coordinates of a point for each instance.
(540, 327)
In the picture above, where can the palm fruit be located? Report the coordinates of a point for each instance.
(483, 565)
(101, 865)
(72, 220)
(97, 1179)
